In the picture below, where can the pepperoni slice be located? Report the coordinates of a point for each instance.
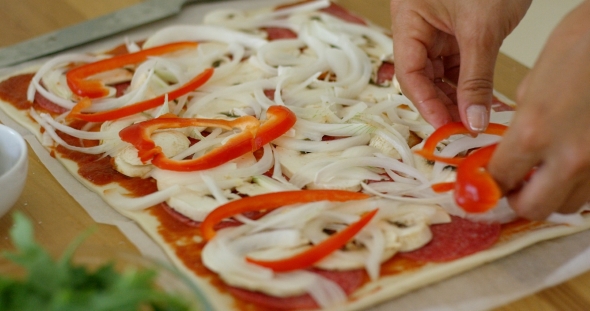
(385, 73)
(47, 104)
(193, 223)
(457, 239)
(270, 94)
(349, 281)
(121, 88)
(279, 33)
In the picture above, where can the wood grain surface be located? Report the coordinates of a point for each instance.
(59, 219)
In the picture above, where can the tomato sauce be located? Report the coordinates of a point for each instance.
(14, 90)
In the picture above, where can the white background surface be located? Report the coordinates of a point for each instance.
(528, 39)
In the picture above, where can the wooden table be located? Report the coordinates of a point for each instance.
(58, 218)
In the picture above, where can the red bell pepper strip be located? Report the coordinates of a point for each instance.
(279, 120)
(476, 191)
(139, 135)
(443, 187)
(270, 201)
(76, 78)
(447, 131)
(138, 107)
(319, 251)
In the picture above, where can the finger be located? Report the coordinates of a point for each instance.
(448, 95)
(447, 92)
(517, 154)
(579, 196)
(452, 66)
(417, 81)
(522, 88)
(537, 199)
(475, 84)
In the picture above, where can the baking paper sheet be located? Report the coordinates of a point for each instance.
(492, 285)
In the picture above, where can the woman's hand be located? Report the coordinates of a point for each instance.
(440, 44)
(551, 127)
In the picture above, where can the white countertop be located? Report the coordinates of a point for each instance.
(528, 39)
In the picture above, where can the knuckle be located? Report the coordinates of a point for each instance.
(531, 139)
(478, 85)
(576, 160)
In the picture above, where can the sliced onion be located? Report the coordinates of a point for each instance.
(322, 146)
(123, 202)
(59, 61)
(202, 33)
(51, 132)
(77, 133)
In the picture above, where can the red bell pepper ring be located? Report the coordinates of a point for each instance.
(476, 191)
(448, 130)
(443, 187)
(76, 78)
(279, 120)
(125, 111)
(319, 251)
(139, 134)
(270, 201)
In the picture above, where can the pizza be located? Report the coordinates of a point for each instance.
(273, 157)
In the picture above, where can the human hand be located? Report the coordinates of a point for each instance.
(551, 127)
(440, 44)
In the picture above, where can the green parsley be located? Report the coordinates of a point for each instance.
(61, 285)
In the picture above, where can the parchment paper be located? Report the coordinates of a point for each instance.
(492, 285)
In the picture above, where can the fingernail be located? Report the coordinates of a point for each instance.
(477, 118)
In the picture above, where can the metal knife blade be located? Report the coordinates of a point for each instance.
(101, 27)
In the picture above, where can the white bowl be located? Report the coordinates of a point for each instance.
(13, 167)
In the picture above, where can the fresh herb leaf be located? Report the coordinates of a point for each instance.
(61, 285)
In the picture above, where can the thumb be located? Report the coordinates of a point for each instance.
(475, 84)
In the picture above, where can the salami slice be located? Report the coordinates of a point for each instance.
(349, 281)
(278, 33)
(48, 105)
(193, 223)
(459, 238)
(385, 73)
(121, 88)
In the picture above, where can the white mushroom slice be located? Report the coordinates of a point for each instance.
(172, 142)
(376, 94)
(251, 189)
(193, 205)
(380, 143)
(353, 185)
(411, 225)
(407, 238)
(292, 161)
(127, 162)
(114, 76)
(423, 165)
(350, 259)
(302, 169)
